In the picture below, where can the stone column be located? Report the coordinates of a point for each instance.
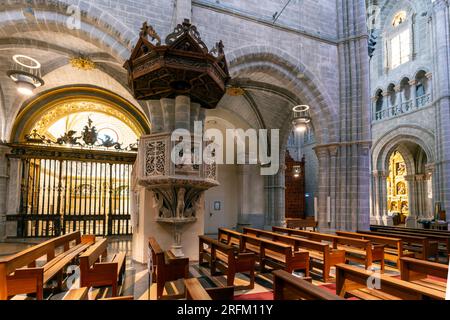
(183, 10)
(14, 194)
(429, 76)
(429, 187)
(269, 186)
(411, 220)
(280, 213)
(398, 91)
(441, 91)
(385, 218)
(4, 177)
(421, 195)
(243, 218)
(333, 150)
(413, 84)
(374, 108)
(376, 196)
(386, 100)
(323, 156)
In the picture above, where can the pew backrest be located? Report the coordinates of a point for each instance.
(350, 278)
(289, 287)
(414, 269)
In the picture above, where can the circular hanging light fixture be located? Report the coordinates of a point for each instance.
(301, 118)
(26, 73)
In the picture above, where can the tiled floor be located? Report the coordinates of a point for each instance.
(137, 279)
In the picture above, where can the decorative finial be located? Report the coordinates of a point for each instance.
(147, 30)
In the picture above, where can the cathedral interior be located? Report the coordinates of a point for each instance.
(224, 150)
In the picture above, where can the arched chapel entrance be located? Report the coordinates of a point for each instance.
(71, 161)
(402, 184)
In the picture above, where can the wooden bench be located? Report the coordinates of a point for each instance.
(97, 273)
(321, 255)
(166, 267)
(352, 281)
(302, 224)
(288, 287)
(77, 294)
(276, 254)
(19, 274)
(124, 298)
(417, 271)
(421, 246)
(357, 250)
(195, 291)
(393, 249)
(442, 237)
(227, 259)
(230, 237)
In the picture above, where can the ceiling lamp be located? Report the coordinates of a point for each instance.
(301, 118)
(297, 170)
(26, 73)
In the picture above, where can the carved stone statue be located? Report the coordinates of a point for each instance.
(163, 211)
(195, 208)
(180, 202)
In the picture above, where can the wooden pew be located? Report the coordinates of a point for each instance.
(227, 259)
(439, 232)
(195, 291)
(230, 237)
(276, 254)
(442, 237)
(166, 267)
(417, 271)
(302, 224)
(19, 274)
(423, 248)
(393, 250)
(354, 281)
(361, 251)
(288, 287)
(96, 274)
(77, 294)
(321, 255)
(124, 298)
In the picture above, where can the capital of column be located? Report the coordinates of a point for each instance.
(4, 150)
(386, 93)
(420, 177)
(410, 178)
(379, 174)
(398, 88)
(322, 152)
(413, 82)
(429, 169)
(429, 75)
(333, 151)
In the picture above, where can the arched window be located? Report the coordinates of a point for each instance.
(379, 102)
(400, 42)
(399, 18)
(420, 90)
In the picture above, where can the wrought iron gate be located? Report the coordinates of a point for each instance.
(63, 191)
